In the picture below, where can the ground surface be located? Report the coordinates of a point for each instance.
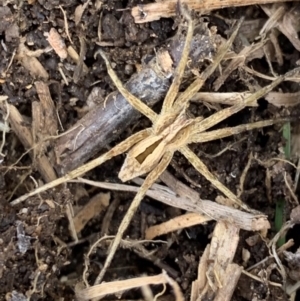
(51, 264)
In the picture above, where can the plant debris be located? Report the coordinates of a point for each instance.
(59, 108)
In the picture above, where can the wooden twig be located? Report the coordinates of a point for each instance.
(166, 9)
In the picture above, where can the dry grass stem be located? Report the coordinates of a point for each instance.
(66, 24)
(291, 78)
(288, 24)
(4, 127)
(244, 174)
(87, 257)
(76, 58)
(177, 223)
(70, 215)
(237, 61)
(261, 280)
(108, 216)
(291, 191)
(104, 289)
(154, 11)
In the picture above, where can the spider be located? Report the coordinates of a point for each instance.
(151, 150)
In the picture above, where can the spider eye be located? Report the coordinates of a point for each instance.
(141, 157)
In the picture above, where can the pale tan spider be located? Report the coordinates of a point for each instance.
(151, 150)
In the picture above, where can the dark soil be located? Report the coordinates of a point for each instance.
(50, 263)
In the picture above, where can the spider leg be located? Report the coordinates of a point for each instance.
(225, 113)
(115, 151)
(174, 88)
(198, 83)
(149, 181)
(229, 131)
(201, 167)
(134, 101)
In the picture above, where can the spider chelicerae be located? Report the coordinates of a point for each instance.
(151, 150)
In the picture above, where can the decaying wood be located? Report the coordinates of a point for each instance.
(49, 122)
(44, 121)
(231, 278)
(30, 62)
(106, 123)
(217, 275)
(165, 9)
(18, 125)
